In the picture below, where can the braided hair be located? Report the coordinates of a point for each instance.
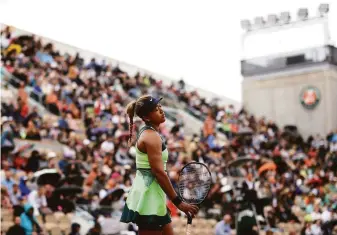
(130, 110)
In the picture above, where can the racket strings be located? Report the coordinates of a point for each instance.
(194, 183)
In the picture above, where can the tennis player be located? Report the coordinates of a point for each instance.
(146, 202)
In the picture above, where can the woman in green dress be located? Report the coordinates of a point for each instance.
(146, 202)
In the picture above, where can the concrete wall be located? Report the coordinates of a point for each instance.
(278, 99)
(333, 101)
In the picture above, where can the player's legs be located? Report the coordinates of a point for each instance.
(149, 232)
(165, 230)
(147, 229)
(168, 229)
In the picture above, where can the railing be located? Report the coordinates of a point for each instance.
(297, 59)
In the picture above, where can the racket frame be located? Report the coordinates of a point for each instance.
(189, 218)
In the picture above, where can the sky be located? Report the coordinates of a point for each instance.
(197, 40)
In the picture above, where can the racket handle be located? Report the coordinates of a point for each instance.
(189, 226)
(188, 229)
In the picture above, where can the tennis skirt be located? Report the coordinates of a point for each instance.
(146, 202)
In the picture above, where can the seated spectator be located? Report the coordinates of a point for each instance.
(96, 230)
(22, 93)
(53, 103)
(28, 221)
(75, 229)
(62, 122)
(15, 195)
(21, 110)
(33, 163)
(224, 226)
(37, 200)
(16, 229)
(32, 132)
(8, 182)
(7, 139)
(5, 199)
(209, 126)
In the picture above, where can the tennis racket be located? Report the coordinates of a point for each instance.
(194, 184)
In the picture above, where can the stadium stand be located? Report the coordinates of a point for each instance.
(64, 150)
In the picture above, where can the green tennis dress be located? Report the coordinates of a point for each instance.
(146, 202)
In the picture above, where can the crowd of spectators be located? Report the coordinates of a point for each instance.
(294, 178)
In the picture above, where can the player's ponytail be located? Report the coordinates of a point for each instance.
(130, 110)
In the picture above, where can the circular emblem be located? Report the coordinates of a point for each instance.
(310, 97)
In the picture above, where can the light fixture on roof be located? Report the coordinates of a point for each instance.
(245, 25)
(272, 19)
(302, 14)
(323, 9)
(259, 22)
(285, 17)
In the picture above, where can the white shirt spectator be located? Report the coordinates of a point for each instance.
(326, 216)
(316, 215)
(102, 193)
(6, 95)
(46, 87)
(37, 201)
(333, 147)
(4, 41)
(107, 146)
(115, 119)
(316, 230)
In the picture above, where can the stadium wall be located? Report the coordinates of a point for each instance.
(278, 98)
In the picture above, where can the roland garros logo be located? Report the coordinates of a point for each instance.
(310, 97)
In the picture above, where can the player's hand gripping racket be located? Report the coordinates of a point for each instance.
(194, 184)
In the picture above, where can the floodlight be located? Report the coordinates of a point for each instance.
(285, 17)
(323, 9)
(245, 25)
(302, 13)
(272, 19)
(259, 22)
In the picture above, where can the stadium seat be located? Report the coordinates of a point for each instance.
(178, 230)
(58, 216)
(212, 222)
(6, 225)
(55, 231)
(70, 216)
(65, 228)
(179, 221)
(7, 217)
(50, 226)
(5, 212)
(50, 218)
(39, 219)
